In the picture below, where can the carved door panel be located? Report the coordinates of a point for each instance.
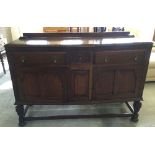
(103, 83)
(118, 83)
(79, 85)
(46, 84)
(127, 82)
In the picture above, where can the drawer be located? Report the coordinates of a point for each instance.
(39, 58)
(80, 57)
(119, 57)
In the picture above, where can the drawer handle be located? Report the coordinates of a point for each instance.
(22, 60)
(55, 61)
(105, 59)
(136, 58)
(80, 58)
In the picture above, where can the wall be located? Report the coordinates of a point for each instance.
(15, 33)
(32, 29)
(6, 32)
(18, 31)
(144, 31)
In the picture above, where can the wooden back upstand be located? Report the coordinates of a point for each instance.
(50, 69)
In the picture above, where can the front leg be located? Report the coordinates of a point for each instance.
(20, 112)
(136, 105)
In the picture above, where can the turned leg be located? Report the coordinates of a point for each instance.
(137, 105)
(20, 112)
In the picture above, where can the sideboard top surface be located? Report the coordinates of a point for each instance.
(60, 43)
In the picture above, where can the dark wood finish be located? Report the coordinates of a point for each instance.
(53, 73)
(80, 34)
(115, 57)
(79, 57)
(120, 83)
(137, 105)
(25, 59)
(79, 85)
(103, 84)
(42, 85)
(20, 112)
(77, 116)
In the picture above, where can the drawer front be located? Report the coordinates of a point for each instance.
(80, 57)
(119, 57)
(39, 58)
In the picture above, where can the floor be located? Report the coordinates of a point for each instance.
(8, 116)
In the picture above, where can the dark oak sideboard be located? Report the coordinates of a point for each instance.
(50, 70)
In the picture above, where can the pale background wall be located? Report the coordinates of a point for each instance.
(6, 34)
(15, 33)
(18, 31)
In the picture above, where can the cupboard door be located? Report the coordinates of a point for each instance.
(127, 82)
(79, 85)
(46, 84)
(103, 83)
(117, 84)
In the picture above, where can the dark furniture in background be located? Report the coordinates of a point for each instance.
(118, 28)
(100, 29)
(114, 29)
(2, 55)
(125, 34)
(77, 68)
